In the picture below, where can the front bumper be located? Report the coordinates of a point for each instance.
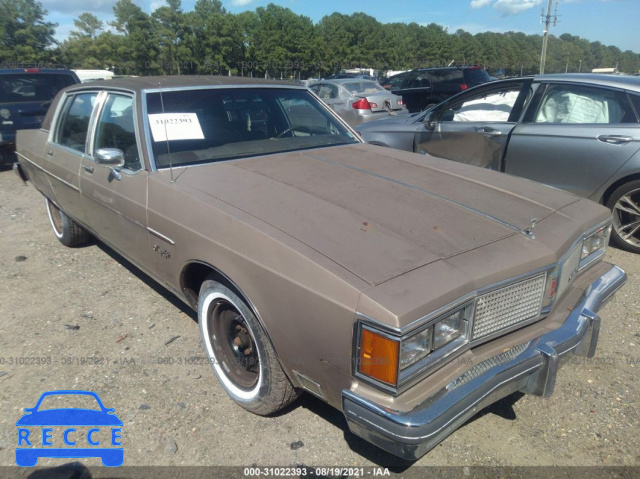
(530, 368)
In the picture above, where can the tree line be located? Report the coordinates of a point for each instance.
(276, 42)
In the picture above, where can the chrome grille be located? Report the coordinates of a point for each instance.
(508, 306)
(569, 269)
(487, 364)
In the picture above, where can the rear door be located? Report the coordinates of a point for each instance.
(574, 137)
(474, 128)
(115, 199)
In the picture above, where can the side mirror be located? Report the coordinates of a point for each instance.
(110, 157)
(430, 120)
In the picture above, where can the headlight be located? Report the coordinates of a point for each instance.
(396, 360)
(448, 329)
(415, 348)
(595, 243)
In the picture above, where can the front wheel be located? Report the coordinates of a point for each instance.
(68, 232)
(624, 203)
(240, 352)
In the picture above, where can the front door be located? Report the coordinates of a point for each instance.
(474, 128)
(115, 199)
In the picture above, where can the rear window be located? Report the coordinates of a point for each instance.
(363, 87)
(475, 76)
(25, 87)
(447, 76)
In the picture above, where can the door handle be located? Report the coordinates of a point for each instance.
(488, 131)
(615, 139)
(49, 152)
(88, 168)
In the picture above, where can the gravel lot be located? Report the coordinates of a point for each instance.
(101, 325)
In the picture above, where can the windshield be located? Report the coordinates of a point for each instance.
(363, 87)
(23, 87)
(206, 125)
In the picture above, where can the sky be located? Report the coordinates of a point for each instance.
(611, 22)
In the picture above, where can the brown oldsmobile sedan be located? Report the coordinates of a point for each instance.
(407, 291)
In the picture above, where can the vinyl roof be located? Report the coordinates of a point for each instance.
(137, 84)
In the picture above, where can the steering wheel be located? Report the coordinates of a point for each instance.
(294, 129)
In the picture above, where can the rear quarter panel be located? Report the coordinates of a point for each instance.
(30, 147)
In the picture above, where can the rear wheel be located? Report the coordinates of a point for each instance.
(68, 232)
(624, 203)
(240, 352)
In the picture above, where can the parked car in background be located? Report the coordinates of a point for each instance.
(25, 95)
(577, 132)
(408, 294)
(358, 101)
(426, 87)
(345, 75)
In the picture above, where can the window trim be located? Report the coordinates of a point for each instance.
(93, 126)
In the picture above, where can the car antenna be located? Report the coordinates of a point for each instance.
(166, 134)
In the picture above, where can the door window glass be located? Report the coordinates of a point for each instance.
(495, 105)
(74, 124)
(396, 82)
(116, 130)
(635, 99)
(583, 105)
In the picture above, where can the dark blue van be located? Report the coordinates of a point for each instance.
(25, 95)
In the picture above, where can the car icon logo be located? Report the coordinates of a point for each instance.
(102, 427)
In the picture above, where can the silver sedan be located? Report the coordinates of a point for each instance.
(358, 101)
(577, 132)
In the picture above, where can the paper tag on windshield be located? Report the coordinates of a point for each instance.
(175, 126)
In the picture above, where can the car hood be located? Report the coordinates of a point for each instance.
(375, 211)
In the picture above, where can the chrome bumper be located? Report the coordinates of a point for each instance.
(531, 368)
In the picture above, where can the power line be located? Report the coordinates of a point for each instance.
(546, 19)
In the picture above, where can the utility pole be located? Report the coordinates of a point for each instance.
(546, 19)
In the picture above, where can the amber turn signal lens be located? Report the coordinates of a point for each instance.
(379, 357)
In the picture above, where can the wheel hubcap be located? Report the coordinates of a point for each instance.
(56, 217)
(626, 218)
(234, 345)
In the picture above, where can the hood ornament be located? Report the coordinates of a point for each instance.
(528, 232)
